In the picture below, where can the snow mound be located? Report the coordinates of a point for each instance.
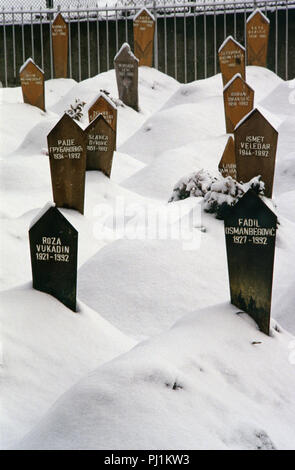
(46, 348)
(212, 382)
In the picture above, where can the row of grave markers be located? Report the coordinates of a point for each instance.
(126, 67)
(250, 227)
(73, 150)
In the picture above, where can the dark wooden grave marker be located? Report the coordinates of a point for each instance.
(32, 83)
(100, 145)
(60, 41)
(250, 232)
(67, 155)
(104, 105)
(238, 98)
(54, 247)
(126, 65)
(255, 149)
(143, 32)
(227, 165)
(257, 32)
(231, 59)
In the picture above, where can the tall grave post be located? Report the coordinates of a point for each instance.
(32, 83)
(250, 232)
(231, 59)
(227, 165)
(54, 247)
(255, 149)
(67, 155)
(126, 66)
(105, 106)
(60, 41)
(143, 32)
(100, 145)
(238, 99)
(257, 33)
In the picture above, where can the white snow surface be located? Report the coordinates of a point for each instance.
(73, 380)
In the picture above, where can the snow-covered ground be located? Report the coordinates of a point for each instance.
(199, 376)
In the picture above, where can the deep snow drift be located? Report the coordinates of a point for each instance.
(229, 393)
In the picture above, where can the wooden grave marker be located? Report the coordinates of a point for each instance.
(255, 149)
(257, 33)
(238, 98)
(231, 59)
(227, 165)
(105, 106)
(67, 155)
(100, 145)
(126, 66)
(143, 32)
(250, 232)
(54, 248)
(60, 44)
(32, 83)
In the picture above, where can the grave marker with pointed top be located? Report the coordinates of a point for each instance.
(60, 42)
(257, 31)
(104, 105)
(100, 145)
(227, 165)
(238, 98)
(126, 66)
(231, 59)
(54, 247)
(67, 155)
(255, 149)
(143, 31)
(32, 83)
(250, 232)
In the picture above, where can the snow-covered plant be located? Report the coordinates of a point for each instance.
(219, 193)
(194, 185)
(76, 110)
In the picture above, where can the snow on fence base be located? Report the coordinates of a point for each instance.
(67, 155)
(250, 233)
(54, 248)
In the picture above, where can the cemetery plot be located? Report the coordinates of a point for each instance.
(126, 66)
(257, 32)
(227, 165)
(238, 100)
(143, 31)
(60, 41)
(54, 248)
(255, 149)
(231, 59)
(67, 155)
(100, 145)
(32, 83)
(250, 232)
